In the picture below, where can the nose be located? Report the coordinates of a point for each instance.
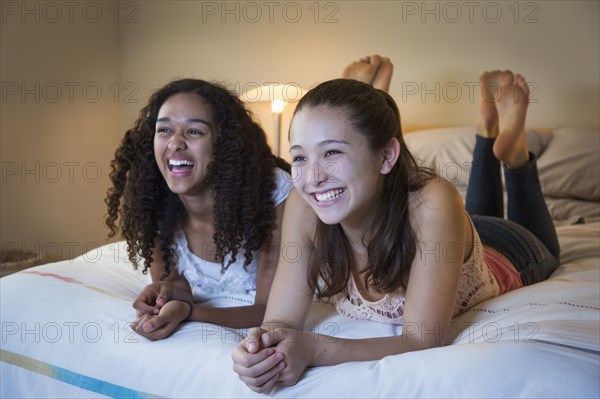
(177, 142)
(317, 174)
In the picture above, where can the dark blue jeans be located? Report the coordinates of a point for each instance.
(528, 238)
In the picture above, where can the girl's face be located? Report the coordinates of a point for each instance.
(183, 142)
(333, 168)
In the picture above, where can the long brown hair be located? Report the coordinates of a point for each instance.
(390, 241)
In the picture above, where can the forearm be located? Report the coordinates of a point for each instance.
(234, 317)
(331, 350)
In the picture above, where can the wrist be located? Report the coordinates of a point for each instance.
(182, 294)
(189, 309)
(322, 348)
(312, 346)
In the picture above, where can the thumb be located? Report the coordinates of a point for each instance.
(274, 337)
(154, 323)
(148, 326)
(253, 339)
(164, 295)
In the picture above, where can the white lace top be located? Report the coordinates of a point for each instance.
(477, 283)
(206, 278)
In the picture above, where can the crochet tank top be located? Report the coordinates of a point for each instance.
(477, 283)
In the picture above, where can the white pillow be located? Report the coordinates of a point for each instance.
(567, 211)
(570, 166)
(450, 150)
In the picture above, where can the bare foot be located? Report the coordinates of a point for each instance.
(489, 92)
(510, 147)
(374, 70)
(384, 75)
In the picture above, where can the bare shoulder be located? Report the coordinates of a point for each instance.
(437, 203)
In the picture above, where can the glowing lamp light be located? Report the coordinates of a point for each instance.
(278, 105)
(278, 96)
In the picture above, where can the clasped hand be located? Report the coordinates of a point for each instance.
(265, 358)
(159, 311)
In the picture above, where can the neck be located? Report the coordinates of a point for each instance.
(198, 207)
(357, 248)
(355, 230)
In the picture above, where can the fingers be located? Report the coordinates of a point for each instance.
(165, 294)
(145, 324)
(268, 384)
(259, 370)
(253, 364)
(139, 322)
(145, 302)
(266, 387)
(274, 337)
(148, 327)
(143, 308)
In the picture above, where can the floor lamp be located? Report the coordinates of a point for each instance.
(278, 96)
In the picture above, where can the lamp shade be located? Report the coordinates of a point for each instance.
(270, 104)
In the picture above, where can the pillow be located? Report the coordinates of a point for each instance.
(568, 211)
(450, 150)
(570, 166)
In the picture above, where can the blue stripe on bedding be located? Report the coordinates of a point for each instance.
(71, 377)
(577, 348)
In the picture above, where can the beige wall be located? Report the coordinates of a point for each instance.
(59, 124)
(553, 43)
(438, 49)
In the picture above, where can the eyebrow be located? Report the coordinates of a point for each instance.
(192, 120)
(322, 143)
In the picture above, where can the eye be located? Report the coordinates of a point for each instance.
(162, 130)
(195, 132)
(332, 152)
(298, 158)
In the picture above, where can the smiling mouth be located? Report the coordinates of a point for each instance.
(328, 195)
(180, 165)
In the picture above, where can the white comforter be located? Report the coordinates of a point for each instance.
(65, 334)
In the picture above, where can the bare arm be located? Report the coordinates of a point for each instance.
(442, 229)
(257, 364)
(441, 224)
(291, 297)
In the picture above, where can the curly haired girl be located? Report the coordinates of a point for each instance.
(198, 196)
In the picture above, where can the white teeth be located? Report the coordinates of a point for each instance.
(180, 162)
(329, 195)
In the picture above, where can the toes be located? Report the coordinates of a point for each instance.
(375, 60)
(506, 78)
(522, 83)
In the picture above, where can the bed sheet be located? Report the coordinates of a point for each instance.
(65, 333)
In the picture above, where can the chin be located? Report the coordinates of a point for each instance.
(328, 219)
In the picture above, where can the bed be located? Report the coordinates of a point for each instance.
(65, 325)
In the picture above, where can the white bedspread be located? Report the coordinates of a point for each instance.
(65, 334)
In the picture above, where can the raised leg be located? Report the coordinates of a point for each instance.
(484, 191)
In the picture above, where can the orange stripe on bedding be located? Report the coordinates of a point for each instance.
(73, 281)
(57, 276)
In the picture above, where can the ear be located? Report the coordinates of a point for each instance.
(391, 153)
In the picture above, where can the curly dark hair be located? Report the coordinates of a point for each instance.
(241, 175)
(390, 240)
